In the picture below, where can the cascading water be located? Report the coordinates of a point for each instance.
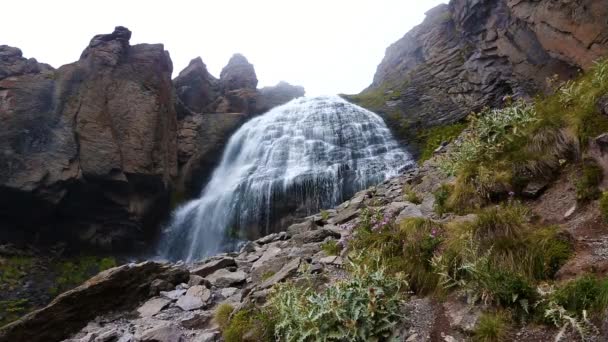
(308, 154)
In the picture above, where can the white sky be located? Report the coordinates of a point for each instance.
(327, 46)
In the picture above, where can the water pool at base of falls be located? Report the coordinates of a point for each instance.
(306, 155)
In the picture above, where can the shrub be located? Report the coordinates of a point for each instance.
(492, 327)
(331, 247)
(254, 323)
(73, 272)
(430, 139)
(441, 197)
(587, 186)
(11, 310)
(222, 314)
(411, 195)
(586, 293)
(363, 308)
(324, 215)
(604, 206)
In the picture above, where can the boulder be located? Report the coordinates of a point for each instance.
(153, 306)
(225, 278)
(12, 63)
(91, 145)
(119, 288)
(196, 89)
(286, 272)
(318, 235)
(168, 332)
(213, 265)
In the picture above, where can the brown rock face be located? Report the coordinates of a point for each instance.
(471, 53)
(196, 89)
(89, 150)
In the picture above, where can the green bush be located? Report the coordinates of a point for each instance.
(73, 272)
(430, 139)
(442, 195)
(11, 310)
(222, 313)
(251, 324)
(324, 215)
(587, 186)
(604, 206)
(586, 293)
(492, 327)
(363, 308)
(331, 247)
(411, 195)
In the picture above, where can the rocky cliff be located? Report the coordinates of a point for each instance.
(91, 151)
(472, 53)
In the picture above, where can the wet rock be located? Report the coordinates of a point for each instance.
(212, 266)
(225, 278)
(153, 306)
(165, 333)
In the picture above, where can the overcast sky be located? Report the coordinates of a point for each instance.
(328, 46)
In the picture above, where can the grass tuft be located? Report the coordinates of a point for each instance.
(492, 327)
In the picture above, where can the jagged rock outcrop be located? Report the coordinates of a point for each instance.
(89, 149)
(209, 110)
(471, 53)
(12, 63)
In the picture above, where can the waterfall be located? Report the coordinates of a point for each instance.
(306, 155)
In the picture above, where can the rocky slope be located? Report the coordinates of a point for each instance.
(470, 54)
(97, 146)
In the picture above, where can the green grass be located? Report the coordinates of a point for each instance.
(12, 269)
(267, 275)
(11, 310)
(253, 323)
(331, 247)
(431, 138)
(73, 272)
(604, 206)
(585, 293)
(411, 195)
(587, 186)
(442, 194)
(492, 327)
(222, 313)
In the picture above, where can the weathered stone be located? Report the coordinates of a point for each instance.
(462, 316)
(301, 227)
(188, 302)
(269, 254)
(108, 336)
(570, 211)
(165, 333)
(213, 265)
(198, 321)
(238, 74)
(153, 306)
(198, 280)
(207, 336)
(159, 285)
(199, 291)
(312, 236)
(173, 295)
(535, 188)
(411, 210)
(602, 104)
(12, 63)
(286, 272)
(225, 278)
(119, 288)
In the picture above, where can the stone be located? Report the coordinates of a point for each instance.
(164, 333)
(570, 211)
(397, 207)
(270, 253)
(328, 260)
(153, 306)
(199, 291)
(225, 278)
(302, 227)
(287, 271)
(535, 188)
(173, 295)
(107, 336)
(249, 247)
(602, 104)
(238, 74)
(411, 210)
(207, 336)
(126, 338)
(198, 321)
(198, 280)
(159, 285)
(313, 236)
(72, 310)
(228, 291)
(212, 266)
(462, 316)
(189, 303)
